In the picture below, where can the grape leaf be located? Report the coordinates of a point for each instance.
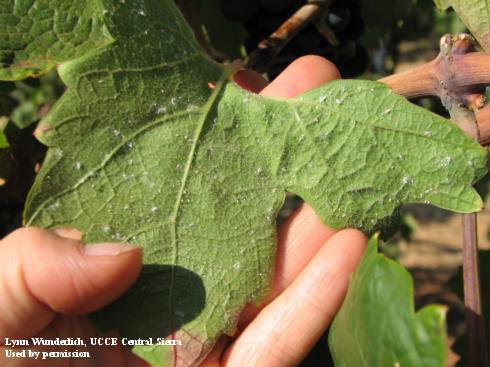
(152, 144)
(475, 14)
(3, 140)
(377, 325)
(37, 35)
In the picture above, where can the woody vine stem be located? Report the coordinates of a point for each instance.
(458, 77)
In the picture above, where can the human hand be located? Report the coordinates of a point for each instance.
(48, 281)
(313, 264)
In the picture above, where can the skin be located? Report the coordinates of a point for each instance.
(49, 280)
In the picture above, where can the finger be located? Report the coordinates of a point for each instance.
(250, 80)
(213, 359)
(43, 274)
(303, 311)
(303, 74)
(303, 233)
(300, 238)
(70, 233)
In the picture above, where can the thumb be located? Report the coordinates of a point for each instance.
(42, 273)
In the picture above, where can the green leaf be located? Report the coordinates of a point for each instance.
(143, 150)
(3, 141)
(33, 97)
(377, 325)
(475, 14)
(24, 114)
(36, 35)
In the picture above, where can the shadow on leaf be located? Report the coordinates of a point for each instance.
(160, 290)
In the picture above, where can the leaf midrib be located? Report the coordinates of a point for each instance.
(207, 108)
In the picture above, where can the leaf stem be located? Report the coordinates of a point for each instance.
(477, 343)
(472, 294)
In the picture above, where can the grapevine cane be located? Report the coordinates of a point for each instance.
(474, 317)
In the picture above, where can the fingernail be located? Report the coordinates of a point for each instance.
(108, 249)
(68, 232)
